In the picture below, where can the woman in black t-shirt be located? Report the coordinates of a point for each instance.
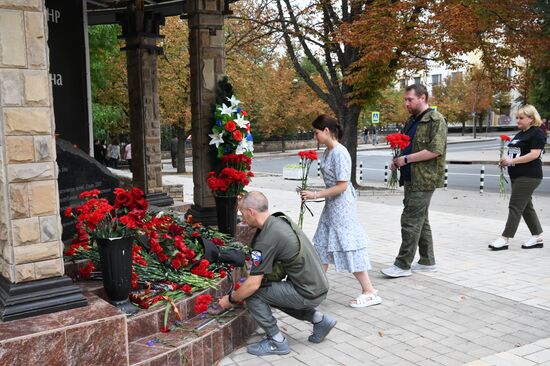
(525, 170)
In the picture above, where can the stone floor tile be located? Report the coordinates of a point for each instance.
(515, 359)
(287, 362)
(541, 356)
(477, 363)
(527, 349)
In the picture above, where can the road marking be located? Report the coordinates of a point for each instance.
(469, 174)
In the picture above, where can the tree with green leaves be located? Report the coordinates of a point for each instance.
(365, 43)
(108, 82)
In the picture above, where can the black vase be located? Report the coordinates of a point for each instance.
(115, 255)
(226, 210)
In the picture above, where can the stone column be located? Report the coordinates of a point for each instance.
(141, 31)
(31, 259)
(207, 62)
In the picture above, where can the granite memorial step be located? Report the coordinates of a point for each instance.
(198, 341)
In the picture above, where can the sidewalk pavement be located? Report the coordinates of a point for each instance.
(482, 308)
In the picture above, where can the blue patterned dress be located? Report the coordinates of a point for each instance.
(339, 238)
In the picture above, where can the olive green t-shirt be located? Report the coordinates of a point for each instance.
(276, 241)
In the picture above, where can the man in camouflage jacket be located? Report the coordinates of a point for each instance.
(422, 167)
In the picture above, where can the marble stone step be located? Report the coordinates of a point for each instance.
(150, 321)
(193, 343)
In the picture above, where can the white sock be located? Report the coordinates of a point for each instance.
(317, 317)
(279, 337)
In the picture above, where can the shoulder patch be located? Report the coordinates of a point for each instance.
(256, 257)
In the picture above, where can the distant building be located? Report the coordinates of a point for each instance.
(437, 74)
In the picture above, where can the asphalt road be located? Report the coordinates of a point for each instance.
(464, 177)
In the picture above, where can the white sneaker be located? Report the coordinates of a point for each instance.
(499, 244)
(535, 241)
(417, 267)
(395, 272)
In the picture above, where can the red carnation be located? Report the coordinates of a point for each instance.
(68, 212)
(230, 126)
(505, 138)
(237, 135)
(186, 288)
(176, 263)
(87, 271)
(218, 242)
(202, 302)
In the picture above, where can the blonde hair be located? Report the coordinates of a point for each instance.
(531, 112)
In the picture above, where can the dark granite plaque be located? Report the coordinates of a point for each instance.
(79, 172)
(68, 71)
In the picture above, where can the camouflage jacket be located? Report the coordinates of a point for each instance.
(431, 135)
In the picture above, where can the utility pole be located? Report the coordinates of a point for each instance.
(474, 123)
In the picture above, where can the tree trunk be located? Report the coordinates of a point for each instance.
(349, 117)
(283, 145)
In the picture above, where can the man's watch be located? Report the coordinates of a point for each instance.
(406, 160)
(231, 301)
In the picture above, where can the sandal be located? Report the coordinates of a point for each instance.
(365, 300)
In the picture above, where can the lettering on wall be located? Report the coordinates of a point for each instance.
(53, 15)
(56, 79)
(68, 71)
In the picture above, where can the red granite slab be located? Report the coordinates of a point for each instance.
(100, 343)
(244, 233)
(207, 349)
(46, 349)
(28, 326)
(97, 309)
(227, 340)
(142, 325)
(140, 353)
(187, 355)
(198, 353)
(217, 345)
(235, 326)
(176, 358)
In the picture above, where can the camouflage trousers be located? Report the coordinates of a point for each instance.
(415, 229)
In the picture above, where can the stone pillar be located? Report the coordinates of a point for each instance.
(31, 259)
(141, 31)
(207, 62)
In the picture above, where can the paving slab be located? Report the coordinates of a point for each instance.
(480, 308)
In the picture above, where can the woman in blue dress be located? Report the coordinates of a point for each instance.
(339, 238)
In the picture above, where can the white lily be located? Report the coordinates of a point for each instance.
(216, 139)
(234, 101)
(226, 110)
(240, 121)
(241, 148)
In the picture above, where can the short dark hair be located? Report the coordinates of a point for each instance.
(419, 90)
(326, 121)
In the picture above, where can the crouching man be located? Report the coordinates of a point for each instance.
(279, 249)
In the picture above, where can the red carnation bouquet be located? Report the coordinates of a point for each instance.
(504, 139)
(234, 176)
(97, 218)
(398, 143)
(307, 157)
